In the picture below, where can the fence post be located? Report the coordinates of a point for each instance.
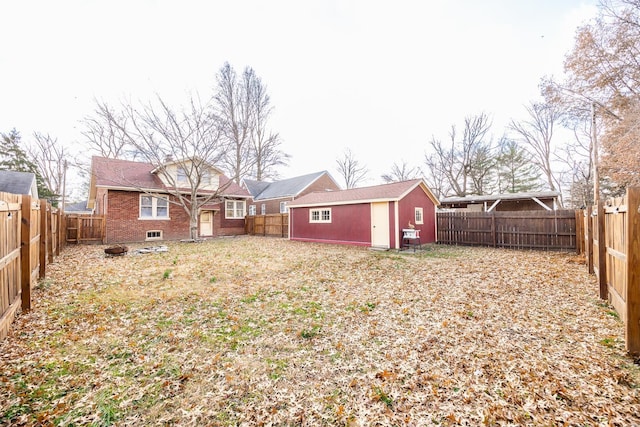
(589, 242)
(602, 253)
(44, 235)
(579, 228)
(58, 231)
(493, 229)
(25, 253)
(632, 251)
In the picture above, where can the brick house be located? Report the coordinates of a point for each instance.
(138, 205)
(273, 197)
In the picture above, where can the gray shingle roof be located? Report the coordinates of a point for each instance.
(285, 188)
(17, 182)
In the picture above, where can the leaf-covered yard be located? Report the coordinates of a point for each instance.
(260, 331)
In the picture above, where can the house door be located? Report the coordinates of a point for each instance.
(206, 223)
(380, 225)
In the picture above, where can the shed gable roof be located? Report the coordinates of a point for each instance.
(18, 182)
(291, 187)
(385, 192)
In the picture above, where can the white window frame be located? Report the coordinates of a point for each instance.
(252, 210)
(234, 209)
(320, 216)
(418, 216)
(284, 208)
(154, 207)
(263, 209)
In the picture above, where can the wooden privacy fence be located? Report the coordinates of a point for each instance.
(29, 238)
(85, 228)
(267, 225)
(542, 230)
(612, 243)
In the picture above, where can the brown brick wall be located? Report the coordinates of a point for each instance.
(123, 224)
(323, 183)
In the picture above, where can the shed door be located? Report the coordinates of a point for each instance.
(380, 225)
(206, 223)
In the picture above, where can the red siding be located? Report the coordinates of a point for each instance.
(406, 212)
(350, 224)
(392, 225)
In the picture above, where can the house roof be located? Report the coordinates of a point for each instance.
(378, 193)
(261, 190)
(506, 196)
(76, 207)
(131, 175)
(18, 183)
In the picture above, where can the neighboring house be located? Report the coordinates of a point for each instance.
(138, 207)
(273, 197)
(367, 216)
(540, 200)
(77, 208)
(19, 183)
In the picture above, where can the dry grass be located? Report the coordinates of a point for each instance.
(259, 331)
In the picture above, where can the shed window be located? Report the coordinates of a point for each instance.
(418, 216)
(320, 215)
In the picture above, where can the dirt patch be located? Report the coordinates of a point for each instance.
(253, 331)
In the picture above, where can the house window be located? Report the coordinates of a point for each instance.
(263, 209)
(418, 216)
(252, 209)
(154, 235)
(320, 215)
(283, 207)
(205, 179)
(181, 175)
(234, 209)
(154, 207)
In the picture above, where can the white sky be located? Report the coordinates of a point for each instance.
(377, 77)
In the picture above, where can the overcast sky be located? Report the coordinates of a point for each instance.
(379, 78)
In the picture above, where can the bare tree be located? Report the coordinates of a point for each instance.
(463, 164)
(102, 135)
(190, 137)
(351, 170)
(577, 155)
(243, 107)
(265, 144)
(402, 172)
(536, 135)
(51, 159)
(235, 108)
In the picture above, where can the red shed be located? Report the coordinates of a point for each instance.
(367, 216)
